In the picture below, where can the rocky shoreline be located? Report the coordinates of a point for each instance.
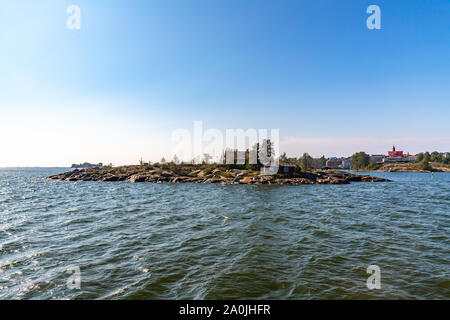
(209, 174)
(412, 167)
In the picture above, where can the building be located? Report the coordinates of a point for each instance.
(287, 168)
(377, 158)
(395, 153)
(346, 164)
(398, 156)
(338, 163)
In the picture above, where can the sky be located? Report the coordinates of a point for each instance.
(116, 89)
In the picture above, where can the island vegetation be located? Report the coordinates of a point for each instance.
(425, 162)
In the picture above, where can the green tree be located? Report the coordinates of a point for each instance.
(419, 157)
(425, 165)
(435, 157)
(427, 156)
(305, 163)
(359, 160)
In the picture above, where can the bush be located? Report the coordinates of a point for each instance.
(425, 165)
(373, 166)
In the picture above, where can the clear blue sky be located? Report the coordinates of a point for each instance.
(137, 70)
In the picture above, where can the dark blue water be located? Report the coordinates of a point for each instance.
(156, 241)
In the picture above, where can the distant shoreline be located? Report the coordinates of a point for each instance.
(410, 167)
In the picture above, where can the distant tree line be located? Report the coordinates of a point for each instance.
(86, 165)
(424, 158)
(440, 157)
(361, 160)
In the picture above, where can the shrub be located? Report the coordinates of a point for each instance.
(425, 165)
(373, 166)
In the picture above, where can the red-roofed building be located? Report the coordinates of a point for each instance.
(398, 156)
(395, 153)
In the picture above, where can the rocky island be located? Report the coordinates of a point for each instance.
(209, 174)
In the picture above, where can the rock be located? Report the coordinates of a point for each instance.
(181, 179)
(246, 180)
(213, 180)
(242, 173)
(194, 173)
(202, 174)
(166, 174)
(338, 181)
(139, 177)
(354, 178)
(162, 179)
(304, 181)
(111, 178)
(372, 179)
(323, 181)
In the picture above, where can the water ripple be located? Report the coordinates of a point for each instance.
(156, 241)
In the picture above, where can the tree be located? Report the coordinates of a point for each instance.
(319, 163)
(305, 163)
(283, 157)
(419, 157)
(359, 160)
(163, 160)
(426, 166)
(435, 157)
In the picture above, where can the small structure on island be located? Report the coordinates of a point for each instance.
(287, 168)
